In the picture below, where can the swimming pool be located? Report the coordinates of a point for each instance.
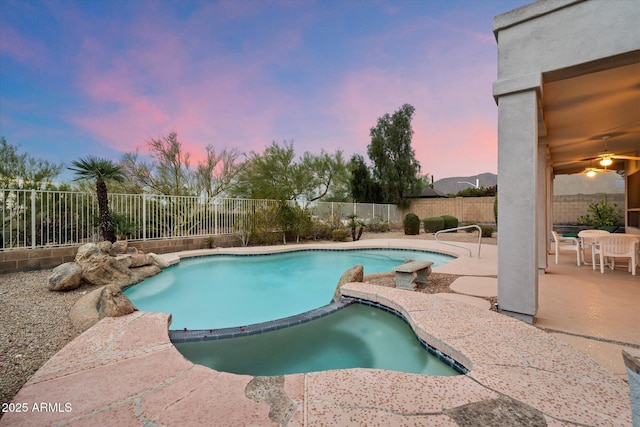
(222, 291)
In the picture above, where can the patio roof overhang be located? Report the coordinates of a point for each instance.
(584, 105)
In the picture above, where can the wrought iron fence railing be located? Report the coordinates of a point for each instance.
(40, 218)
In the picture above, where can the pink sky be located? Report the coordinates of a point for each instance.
(84, 78)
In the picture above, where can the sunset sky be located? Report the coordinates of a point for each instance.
(102, 78)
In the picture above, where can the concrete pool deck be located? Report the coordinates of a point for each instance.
(125, 371)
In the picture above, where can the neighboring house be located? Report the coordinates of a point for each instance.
(567, 92)
(428, 193)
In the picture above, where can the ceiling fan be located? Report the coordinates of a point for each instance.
(591, 171)
(606, 157)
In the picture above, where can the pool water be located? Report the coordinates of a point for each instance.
(357, 336)
(222, 291)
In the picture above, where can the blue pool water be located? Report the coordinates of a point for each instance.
(223, 291)
(357, 336)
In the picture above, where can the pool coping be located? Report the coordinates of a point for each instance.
(125, 371)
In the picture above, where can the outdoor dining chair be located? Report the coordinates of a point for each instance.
(566, 244)
(587, 240)
(612, 247)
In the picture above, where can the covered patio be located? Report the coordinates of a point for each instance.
(596, 313)
(568, 96)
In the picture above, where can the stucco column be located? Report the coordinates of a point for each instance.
(517, 211)
(541, 204)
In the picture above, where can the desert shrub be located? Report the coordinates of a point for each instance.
(411, 224)
(433, 224)
(123, 228)
(294, 221)
(450, 221)
(602, 214)
(378, 225)
(321, 231)
(487, 230)
(339, 234)
(470, 230)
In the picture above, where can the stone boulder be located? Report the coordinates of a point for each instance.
(105, 247)
(158, 260)
(119, 247)
(139, 260)
(99, 266)
(65, 277)
(87, 251)
(113, 303)
(141, 273)
(104, 269)
(354, 274)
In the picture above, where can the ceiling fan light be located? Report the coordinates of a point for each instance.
(591, 173)
(606, 161)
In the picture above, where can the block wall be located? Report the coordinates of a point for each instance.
(35, 259)
(566, 208)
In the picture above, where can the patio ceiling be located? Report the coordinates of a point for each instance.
(583, 105)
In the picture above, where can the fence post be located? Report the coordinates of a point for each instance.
(215, 218)
(144, 216)
(33, 219)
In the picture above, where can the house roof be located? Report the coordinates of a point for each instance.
(430, 192)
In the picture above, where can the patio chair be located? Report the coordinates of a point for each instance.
(612, 247)
(587, 240)
(566, 244)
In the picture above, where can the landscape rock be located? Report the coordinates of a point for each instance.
(125, 260)
(65, 277)
(105, 247)
(158, 260)
(103, 270)
(138, 260)
(141, 273)
(99, 267)
(119, 247)
(113, 303)
(354, 274)
(87, 251)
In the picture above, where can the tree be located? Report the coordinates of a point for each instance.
(317, 173)
(361, 184)
(395, 167)
(218, 172)
(100, 171)
(169, 172)
(276, 175)
(270, 175)
(24, 171)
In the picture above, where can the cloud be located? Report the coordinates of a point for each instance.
(206, 76)
(21, 49)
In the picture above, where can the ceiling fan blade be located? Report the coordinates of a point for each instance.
(621, 157)
(623, 126)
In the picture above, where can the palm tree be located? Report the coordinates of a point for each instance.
(100, 170)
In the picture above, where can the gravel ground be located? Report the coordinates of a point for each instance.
(35, 322)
